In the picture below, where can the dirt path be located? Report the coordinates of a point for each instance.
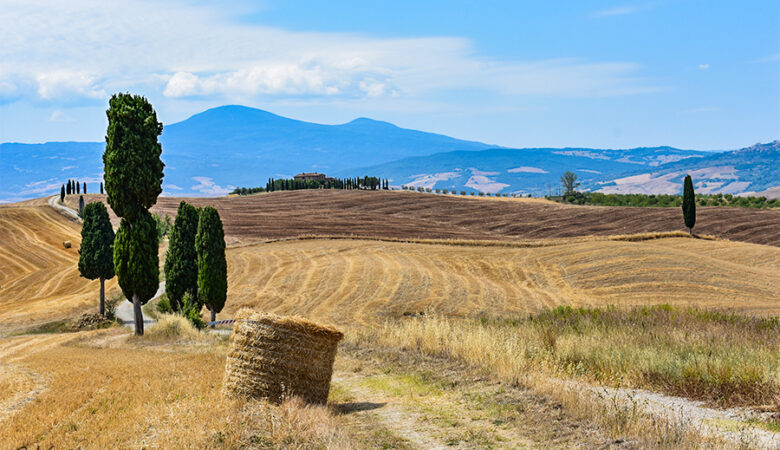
(729, 425)
(68, 212)
(431, 404)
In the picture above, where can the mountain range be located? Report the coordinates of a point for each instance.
(235, 146)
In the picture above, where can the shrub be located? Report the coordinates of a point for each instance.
(191, 311)
(462, 192)
(164, 305)
(438, 191)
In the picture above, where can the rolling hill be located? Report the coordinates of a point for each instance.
(217, 150)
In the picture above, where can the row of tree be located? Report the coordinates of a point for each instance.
(75, 187)
(133, 181)
(291, 184)
(195, 265)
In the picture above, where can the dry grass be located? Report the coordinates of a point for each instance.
(131, 396)
(173, 328)
(724, 358)
(353, 281)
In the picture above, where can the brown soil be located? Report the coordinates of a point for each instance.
(413, 215)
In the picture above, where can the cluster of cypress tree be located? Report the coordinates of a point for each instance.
(196, 263)
(291, 184)
(75, 187)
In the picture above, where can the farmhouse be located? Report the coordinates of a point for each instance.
(306, 176)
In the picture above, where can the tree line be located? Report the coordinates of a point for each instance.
(291, 184)
(572, 196)
(75, 187)
(195, 264)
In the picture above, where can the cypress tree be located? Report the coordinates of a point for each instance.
(212, 265)
(67, 189)
(101, 188)
(97, 248)
(181, 268)
(81, 206)
(133, 180)
(62, 193)
(689, 204)
(136, 262)
(78, 187)
(85, 187)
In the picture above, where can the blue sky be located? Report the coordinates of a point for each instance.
(690, 74)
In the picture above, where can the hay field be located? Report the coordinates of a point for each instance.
(39, 280)
(363, 281)
(401, 214)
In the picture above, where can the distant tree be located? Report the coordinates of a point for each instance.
(96, 255)
(101, 188)
(133, 181)
(569, 181)
(85, 187)
(62, 193)
(81, 206)
(689, 204)
(181, 268)
(67, 188)
(212, 265)
(78, 188)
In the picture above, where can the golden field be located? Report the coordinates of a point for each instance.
(363, 281)
(39, 280)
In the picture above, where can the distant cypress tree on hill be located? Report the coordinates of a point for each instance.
(689, 204)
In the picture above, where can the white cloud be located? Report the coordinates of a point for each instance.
(617, 11)
(59, 116)
(704, 66)
(207, 186)
(61, 52)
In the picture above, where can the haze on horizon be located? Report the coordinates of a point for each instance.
(694, 74)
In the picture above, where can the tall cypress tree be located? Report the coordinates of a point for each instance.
(62, 193)
(85, 187)
(212, 265)
(133, 181)
(81, 206)
(689, 204)
(101, 188)
(78, 187)
(181, 268)
(67, 188)
(97, 248)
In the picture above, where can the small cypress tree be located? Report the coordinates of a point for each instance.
(101, 188)
(81, 206)
(97, 248)
(78, 187)
(62, 193)
(689, 204)
(181, 268)
(212, 265)
(85, 187)
(67, 188)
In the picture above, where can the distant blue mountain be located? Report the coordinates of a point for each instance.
(537, 171)
(234, 146)
(223, 147)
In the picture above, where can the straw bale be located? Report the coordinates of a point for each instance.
(275, 357)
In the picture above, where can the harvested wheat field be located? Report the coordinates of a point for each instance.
(401, 214)
(348, 281)
(39, 280)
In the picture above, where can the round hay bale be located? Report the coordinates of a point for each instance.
(66, 244)
(275, 357)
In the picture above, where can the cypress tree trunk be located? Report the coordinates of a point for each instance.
(213, 316)
(139, 316)
(102, 296)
